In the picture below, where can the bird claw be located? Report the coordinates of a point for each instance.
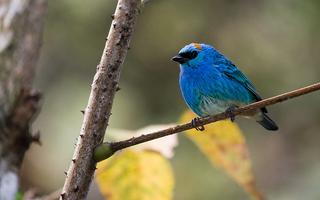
(230, 112)
(195, 124)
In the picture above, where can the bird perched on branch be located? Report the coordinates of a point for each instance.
(210, 84)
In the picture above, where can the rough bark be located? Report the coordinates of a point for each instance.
(98, 110)
(21, 28)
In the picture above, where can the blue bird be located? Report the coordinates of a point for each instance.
(210, 84)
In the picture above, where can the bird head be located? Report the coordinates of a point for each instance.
(195, 54)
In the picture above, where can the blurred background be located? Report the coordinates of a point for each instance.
(275, 43)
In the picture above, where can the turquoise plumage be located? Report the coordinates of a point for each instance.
(210, 84)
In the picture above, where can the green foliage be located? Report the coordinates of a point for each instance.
(19, 196)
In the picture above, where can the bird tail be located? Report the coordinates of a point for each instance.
(267, 122)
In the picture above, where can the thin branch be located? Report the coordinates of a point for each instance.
(32, 195)
(107, 149)
(98, 111)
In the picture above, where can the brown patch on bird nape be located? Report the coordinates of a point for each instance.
(197, 45)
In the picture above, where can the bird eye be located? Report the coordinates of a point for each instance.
(189, 54)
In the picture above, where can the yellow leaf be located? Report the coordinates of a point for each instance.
(224, 145)
(135, 175)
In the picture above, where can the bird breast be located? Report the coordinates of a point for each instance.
(213, 106)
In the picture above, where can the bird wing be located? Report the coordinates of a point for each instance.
(230, 70)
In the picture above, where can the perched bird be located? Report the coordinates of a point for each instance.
(210, 84)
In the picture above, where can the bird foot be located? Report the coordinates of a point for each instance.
(195, 124)
(230, 112)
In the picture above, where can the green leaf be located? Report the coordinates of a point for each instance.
(19, 196)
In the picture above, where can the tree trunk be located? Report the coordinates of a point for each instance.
(21, 27)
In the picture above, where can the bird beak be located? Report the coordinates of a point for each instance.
(179, 59)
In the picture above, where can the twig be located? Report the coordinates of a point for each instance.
(98, 110)
(107, 149)
(32, 195)
(52, 196)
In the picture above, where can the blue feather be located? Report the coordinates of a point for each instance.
(210, 83)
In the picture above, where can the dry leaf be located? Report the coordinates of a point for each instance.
(135, 175)
(164, 145)
(224, 145)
